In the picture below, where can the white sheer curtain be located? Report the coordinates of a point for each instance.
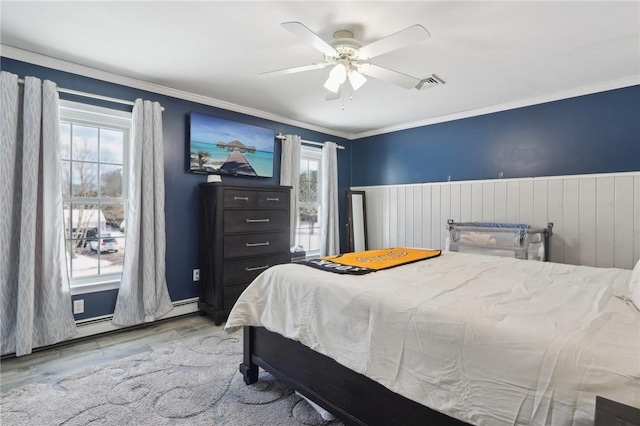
(330, 237)
(143, 294)
(290, 176)
(35, 300)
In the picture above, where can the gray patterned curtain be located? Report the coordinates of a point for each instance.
(35, 300)
(290, 176)
(143, 294)
(330, 236)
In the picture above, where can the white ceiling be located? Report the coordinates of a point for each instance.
(490, 54)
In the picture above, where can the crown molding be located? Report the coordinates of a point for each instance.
(505, 180)
(86, 71)
(74, 68)
(550, 97)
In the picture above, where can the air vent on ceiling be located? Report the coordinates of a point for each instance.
(432, 81)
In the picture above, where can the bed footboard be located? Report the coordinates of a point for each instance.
(355, 398)
(352, 397)
(613, 413)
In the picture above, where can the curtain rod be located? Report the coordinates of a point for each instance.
(91, 95)
(281, 136)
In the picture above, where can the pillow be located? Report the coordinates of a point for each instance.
(634, 285)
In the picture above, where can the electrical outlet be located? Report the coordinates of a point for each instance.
(196, 274)
(78, 306)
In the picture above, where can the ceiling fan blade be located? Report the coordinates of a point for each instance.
(293, 70)
(310, 37)
(390, 76)
(406, 37)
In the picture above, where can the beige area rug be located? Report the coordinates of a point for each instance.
(194, 381)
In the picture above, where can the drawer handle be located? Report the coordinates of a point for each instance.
(273, 199)
(257, 220)
(241, 198)
(257, 244)
(256, 268)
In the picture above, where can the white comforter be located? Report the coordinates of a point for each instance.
(488, 340)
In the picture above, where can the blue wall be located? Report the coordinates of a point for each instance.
(598, 133)
(181, 186)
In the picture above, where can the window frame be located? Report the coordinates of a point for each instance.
(103, 118)
(308, 152)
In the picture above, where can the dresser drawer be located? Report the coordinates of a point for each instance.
(255, 244)
(238, 198)
(255, 220)
(245, 270)
(230, 295)
(273, 200)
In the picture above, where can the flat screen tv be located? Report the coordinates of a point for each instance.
(225, 147)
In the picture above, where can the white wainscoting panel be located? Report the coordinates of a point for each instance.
(596, 218)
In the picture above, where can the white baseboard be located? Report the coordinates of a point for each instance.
(103, 324)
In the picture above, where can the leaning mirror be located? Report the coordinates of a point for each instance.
(357, 220)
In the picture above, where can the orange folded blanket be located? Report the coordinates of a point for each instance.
(364, 262)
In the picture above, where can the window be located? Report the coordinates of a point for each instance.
(94, 143)
(309, 200)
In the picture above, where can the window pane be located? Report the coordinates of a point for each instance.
(308, 232)
(304, 167)
(86, 262)
(65, 141)
(110, 181)
(114, 214)
(66, 208)
(86, 220)
(83, 265)
(84, 180)
(97, 244)
(313, 167)
(111, 255)
(308, 191)
(308, 217)
(85, 143)
(108, 252)
(111, 146)
(66, 179)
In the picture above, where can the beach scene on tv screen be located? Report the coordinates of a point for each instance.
(230, 148)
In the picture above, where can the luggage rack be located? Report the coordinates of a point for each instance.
(500, 239)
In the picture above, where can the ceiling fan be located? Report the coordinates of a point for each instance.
(350, 59)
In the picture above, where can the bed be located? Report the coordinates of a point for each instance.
(460, 338)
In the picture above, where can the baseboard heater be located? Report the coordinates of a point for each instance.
(103, 324)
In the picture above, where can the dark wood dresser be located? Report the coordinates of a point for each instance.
(245, 230)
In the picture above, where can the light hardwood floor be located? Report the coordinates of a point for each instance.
(48, 365)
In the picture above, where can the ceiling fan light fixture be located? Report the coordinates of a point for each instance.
(337, 76)
(339, 73)
(356, 79)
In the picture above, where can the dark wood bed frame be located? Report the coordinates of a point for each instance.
(355, 398)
